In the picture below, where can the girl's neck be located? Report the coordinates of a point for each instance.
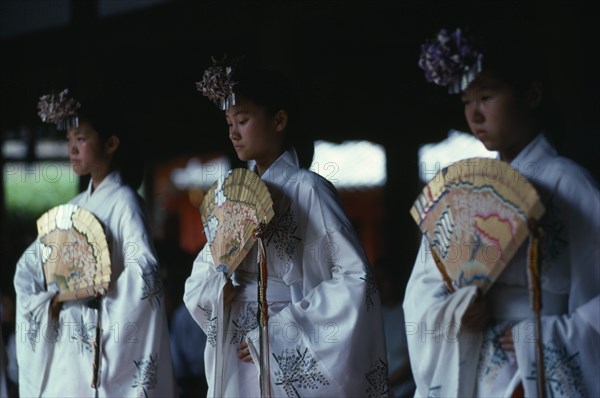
(510, 153)
(98, 176)
(263, 164)
(260, 169)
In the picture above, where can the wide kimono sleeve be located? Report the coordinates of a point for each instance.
(203, 294)
(570, 340)
(34, 326)
(203, 298)
(137, 345)
(443, 356)
(329, 341)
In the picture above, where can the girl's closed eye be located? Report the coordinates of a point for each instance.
(487, 97)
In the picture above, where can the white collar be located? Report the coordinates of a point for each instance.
(112, 179)
(537, 149)
(282, 169)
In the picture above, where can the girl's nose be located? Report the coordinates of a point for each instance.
(234, 134)
(474, 114)
(478, 116)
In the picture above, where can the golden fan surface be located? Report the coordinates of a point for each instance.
(475, 214)
(231, 210)
(75, 252)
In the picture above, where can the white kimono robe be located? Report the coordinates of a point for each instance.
(450, 364)
(55, 358)
(326, 326)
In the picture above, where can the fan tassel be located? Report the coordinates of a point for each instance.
(533, 272)
(95, 304)
(263, 316)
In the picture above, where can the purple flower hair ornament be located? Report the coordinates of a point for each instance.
(450, 60)
(60, 109)
(217, 83)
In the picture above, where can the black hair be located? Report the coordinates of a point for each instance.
(514, 56)
(274, 91)
(108, 115)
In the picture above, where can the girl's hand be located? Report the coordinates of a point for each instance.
(506, 340)
(229, 292)
(243, 352)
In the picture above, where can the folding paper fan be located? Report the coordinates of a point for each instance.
(233, 208)
(75, 252)
(475, 214)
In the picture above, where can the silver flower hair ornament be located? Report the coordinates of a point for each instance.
(451, 60)
(60, 109)
(217, 83)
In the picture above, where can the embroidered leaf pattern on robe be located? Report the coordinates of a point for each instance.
(211, 329)
(492, 357)
(371, 289)
(146, 375)
(298, 370)
(564, 376)
(33, 330)
(152, 287)
(281, 232)
(83, 337)
(377, 377)
(553, 241)
(245, 323)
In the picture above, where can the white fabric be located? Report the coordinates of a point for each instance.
(326, 333)
(570, 280)
(55, 359)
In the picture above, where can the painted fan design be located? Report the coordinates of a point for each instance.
(233, 208)
(75, 252)
(475, 214)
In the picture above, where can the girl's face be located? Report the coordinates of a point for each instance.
(86, 152)
(498, 116)
(255, 134)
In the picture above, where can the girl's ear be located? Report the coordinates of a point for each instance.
(534, 95)
(112, 144)
(281, 119)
